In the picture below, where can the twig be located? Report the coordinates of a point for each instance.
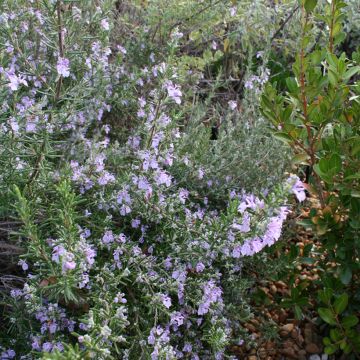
(278, 31)
(194, 15)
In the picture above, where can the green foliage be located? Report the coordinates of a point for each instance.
(343, 334)
(318, 118)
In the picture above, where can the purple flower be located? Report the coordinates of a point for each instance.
(105, 24)
(211, 295)
(90, 254)
(245, 225)
(135, 223)
(36, 344)
(62, 67)
(108, 237)
(53, 327)
(58, 251)
(161, 177)
(151, 337)
(232, 104)
(47, 346)
(59, 346)
(15, 81)
(106, 178)
(23, 265)
(201, 173)
(246, 249)
(297, 187)
(8, 354)
(187, 347)
(166, 300)
(174, 91)
(157, 139)
(167, 263)
(177, 318)
(233, 11)
(183, 195)
(68, 263)
(200, 267)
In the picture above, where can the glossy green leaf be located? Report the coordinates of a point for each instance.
(327, 315)
(292, 85)
(349, 321)
(330, 349)
(345, 275)
(341, 303)
(335, 335)
(310, 5)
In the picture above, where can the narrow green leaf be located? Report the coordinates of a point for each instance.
(351, 72)
(283, 137)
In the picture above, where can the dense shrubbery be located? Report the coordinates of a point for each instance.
(138, 175)
(319, 118)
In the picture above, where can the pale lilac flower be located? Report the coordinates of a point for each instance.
(16, 293)
(47, 346)
(121, 49)
(232, 104)
(161, 177)
(90, 254)
(166, 300)
(63, 67)
(23, 265)
(297, 187)
(201, 173)
(8, 354)
(14, 125)
(183, 195)
(106, 178)
(58, 251)
(68, 262)
(246, 249)
(236, 253)
(233, 11)
(245, 225)
(157, 139)
(15, 81)
(177, 318)
(167, 263)
(108, 237)
(174, 91)
(135, 223)
(35, 345)
(176, 34)
(212, 294)
(105, 24)
(200, 267)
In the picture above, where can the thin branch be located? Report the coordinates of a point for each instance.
(278, 31)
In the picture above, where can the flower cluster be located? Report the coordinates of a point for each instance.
(131, 227)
